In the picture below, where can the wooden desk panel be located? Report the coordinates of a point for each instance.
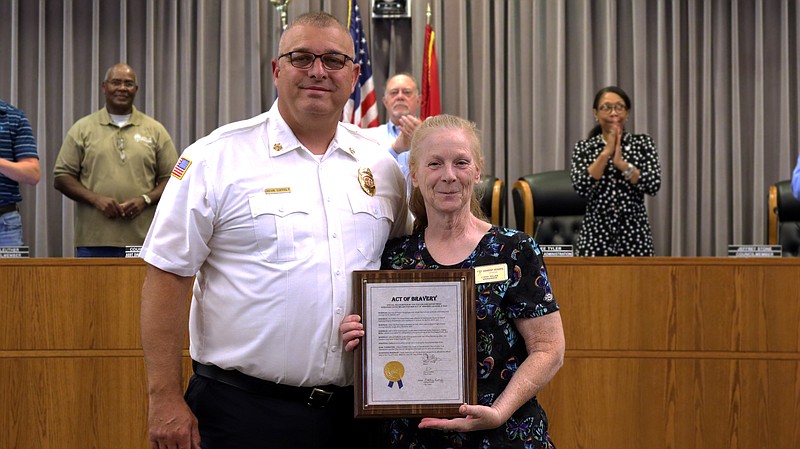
(655, 403)
(71, 365)
(677, 353)
(671, 304)
(60, 304)
(73, 402)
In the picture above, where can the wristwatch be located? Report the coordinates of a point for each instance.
(628, 173)
(147, 200)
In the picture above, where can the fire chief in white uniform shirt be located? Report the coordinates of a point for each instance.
(272, 215)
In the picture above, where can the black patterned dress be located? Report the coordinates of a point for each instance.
(616, 221)
(500, 347)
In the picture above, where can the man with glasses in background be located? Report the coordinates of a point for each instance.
(114, 164)
(263, 221)
(401, 100)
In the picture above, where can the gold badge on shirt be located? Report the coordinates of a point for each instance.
(367, 181)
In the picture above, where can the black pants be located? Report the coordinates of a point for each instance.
(231, 418)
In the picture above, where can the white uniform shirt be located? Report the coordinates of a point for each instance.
(273, 234)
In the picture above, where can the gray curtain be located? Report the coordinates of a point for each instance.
(714, 82)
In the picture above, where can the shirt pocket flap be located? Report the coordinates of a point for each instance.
(281, 205)
(377, 207)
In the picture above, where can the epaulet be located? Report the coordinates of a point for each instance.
(358, 132)
(238, 126)
(349, 126)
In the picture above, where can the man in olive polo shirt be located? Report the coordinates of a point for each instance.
(114, 164)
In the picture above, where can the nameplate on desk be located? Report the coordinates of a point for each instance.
(132, 251)
(14, 252)
(754, 250)
(557, 250)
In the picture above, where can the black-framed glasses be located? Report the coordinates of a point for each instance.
(608, 107)
(305, 59)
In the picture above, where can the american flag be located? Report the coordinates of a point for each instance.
(362, 107)
(181, 167)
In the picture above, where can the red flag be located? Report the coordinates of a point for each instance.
(430, 105)
(362, 107)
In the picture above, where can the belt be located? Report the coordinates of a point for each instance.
(313, 396)
(8, 208)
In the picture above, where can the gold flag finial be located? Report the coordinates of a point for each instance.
(281, 7)
(428, 14)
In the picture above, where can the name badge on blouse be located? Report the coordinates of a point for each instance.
(491, 273)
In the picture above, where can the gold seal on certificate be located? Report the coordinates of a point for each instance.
(417, 357)
(394, 373)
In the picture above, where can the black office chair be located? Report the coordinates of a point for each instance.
(492, 194)
(784, 219)
(547, 207)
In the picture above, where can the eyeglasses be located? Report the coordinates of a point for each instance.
(119, 83)
(608, 107)
(304, 59)
(396, 92)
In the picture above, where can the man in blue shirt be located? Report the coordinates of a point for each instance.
(796, 180)
(19, 162)
(401, 100)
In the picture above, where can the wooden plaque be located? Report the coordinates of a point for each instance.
(417, 357)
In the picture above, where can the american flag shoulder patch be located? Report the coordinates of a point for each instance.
(181, 167)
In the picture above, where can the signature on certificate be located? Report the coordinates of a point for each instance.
(429, 359)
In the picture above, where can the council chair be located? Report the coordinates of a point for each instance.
(492, 194)
(784, 219)
(547, 207)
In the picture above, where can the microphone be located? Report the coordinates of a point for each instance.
(536, 227)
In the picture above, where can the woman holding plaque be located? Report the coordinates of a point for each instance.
(520, 339)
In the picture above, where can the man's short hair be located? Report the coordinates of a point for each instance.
(416, 84)
(315, 19)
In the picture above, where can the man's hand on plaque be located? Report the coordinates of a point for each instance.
(352, 330)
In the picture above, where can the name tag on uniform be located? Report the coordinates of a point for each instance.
(491, 273)
(273, 190)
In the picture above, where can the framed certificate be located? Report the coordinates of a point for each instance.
(417, 357)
